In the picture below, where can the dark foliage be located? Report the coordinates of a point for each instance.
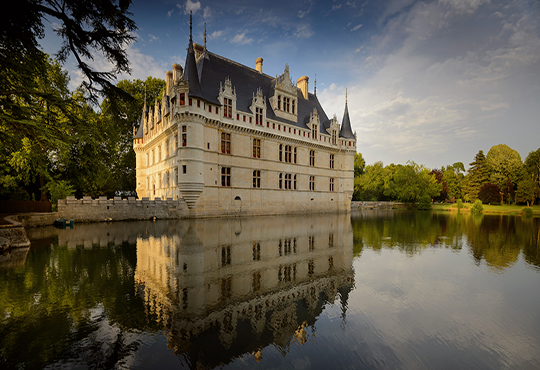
(490, 194)
(439, 177)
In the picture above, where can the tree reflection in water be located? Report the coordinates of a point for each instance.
(496, 239)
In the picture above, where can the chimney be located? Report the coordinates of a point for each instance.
(302, 84)
(177, 71)
(258, 64)
(169, 82)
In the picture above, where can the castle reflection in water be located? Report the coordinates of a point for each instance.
(222, 288)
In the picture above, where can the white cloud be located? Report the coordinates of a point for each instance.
(207, 13)
(302, 14)
(190, 6)
(170, 13)
(356, 27)
(153, 38)
(335, 7)
(303, 31)
(215, 34)
(241, 39)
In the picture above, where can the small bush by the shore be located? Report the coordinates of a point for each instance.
(527, 212)
(477, 207)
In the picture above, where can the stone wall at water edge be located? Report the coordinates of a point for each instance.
(118, 209)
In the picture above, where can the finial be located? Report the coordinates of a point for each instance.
(345, 95)
(144, 109)
(315, 88)
(205, 35)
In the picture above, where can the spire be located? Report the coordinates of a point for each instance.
(315, 87)
(144, 107)
(346, 131)
(190, 46)
(190, 70)
(204, 35)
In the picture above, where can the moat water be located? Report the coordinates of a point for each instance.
(371, 290)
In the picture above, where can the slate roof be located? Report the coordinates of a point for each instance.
(346, 131)
(214, 69)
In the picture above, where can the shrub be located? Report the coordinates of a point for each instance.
(477, 207)
(527, 212)
(490, 194)
(459, 204)
(59, 190)
(424, 203)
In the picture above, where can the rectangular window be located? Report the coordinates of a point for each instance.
(288, 181)
(331, 184)
(184, 168)
(280, 183)
(295, 152)
(256, 148)
(288, 156)
(237, 117)
(314, 132)
(256, 179)
(258, 116)
(294, 182)
(279, 102)
(280, 154)
(225, 143)
(334, 136)
(182, 99)
(190, 101)
(226, 176)
(209, 109)
(312, 183)
(184, 135)
(331, 161)
(312, 158)
(217, 110)
(293, 106)
(227, 107)
(198, 103)
(311, 243)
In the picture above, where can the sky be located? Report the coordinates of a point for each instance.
(429, 81)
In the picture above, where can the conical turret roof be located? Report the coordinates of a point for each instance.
(190, 69)
(346, 130)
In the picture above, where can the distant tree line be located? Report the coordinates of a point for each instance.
(499, 177)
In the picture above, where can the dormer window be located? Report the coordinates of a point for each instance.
(182, 99)
(293, 104)
(314, 131)
(279, 102)
(227, 108)
(258, 116)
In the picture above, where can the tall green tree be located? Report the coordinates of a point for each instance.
(454, 177)
(359, 164)
(122, 117)
(504, 163)
(478, 176)
(532, 170)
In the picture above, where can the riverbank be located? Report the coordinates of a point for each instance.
(502, 209)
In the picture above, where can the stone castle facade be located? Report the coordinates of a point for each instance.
(227, 137)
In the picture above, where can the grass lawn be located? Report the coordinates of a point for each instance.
(488, 208)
